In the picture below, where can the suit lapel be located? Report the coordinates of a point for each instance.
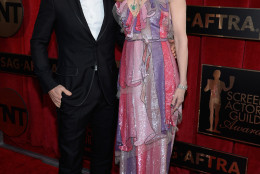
(77, 8)
(105, 21)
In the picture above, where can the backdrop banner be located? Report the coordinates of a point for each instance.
(207, 160)
(230, 104)
(242, 23)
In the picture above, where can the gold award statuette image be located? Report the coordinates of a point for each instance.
(216, 86)
(11, 17)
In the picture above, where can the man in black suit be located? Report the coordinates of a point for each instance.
(84, 87)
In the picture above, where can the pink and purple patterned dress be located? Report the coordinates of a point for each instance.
(147, 80)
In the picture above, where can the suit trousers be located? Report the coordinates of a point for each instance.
(72, 123)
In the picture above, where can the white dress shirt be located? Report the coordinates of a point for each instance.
(94, 13)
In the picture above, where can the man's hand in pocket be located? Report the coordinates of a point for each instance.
(56, 94)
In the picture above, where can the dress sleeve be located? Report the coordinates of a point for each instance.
(116, 12)
(170, 29)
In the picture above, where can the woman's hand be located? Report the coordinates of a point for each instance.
(178, 98)
(173, 49)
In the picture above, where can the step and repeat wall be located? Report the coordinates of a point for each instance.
(221, 118)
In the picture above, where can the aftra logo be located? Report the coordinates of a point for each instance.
(11, 17)
(241, 23)
(13, 113)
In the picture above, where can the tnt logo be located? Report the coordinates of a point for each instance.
(11, 17)
(13, 113)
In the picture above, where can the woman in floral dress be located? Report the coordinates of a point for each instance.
(152, 85)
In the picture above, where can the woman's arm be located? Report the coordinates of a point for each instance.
(178, 13)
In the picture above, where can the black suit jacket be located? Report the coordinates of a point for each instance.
(78, 51)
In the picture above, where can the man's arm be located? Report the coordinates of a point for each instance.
(39, 44)
(120, 37)
(39, 47)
